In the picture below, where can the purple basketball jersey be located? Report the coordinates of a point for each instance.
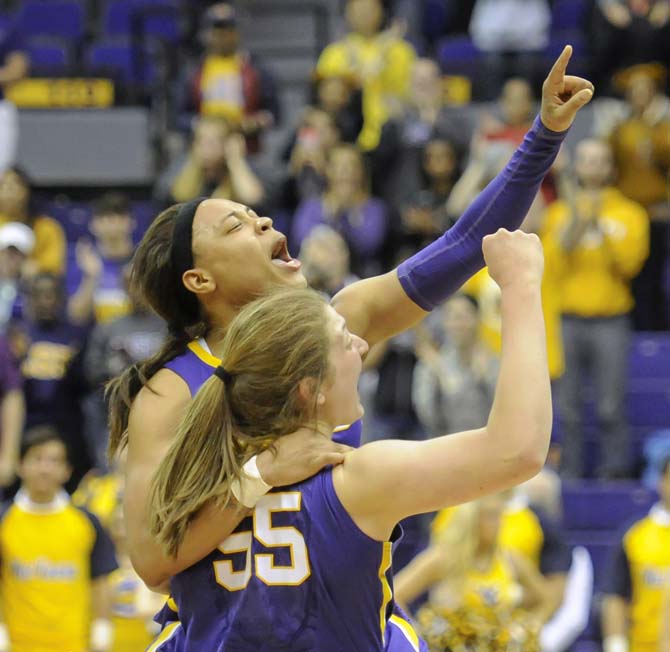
(297, 576)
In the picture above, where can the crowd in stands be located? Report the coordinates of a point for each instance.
(384, 155)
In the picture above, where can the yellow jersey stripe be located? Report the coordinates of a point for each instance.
(172, 605)
(164, 636)
(386, 589)
(341, 428)
(203, 354)
(408, 631)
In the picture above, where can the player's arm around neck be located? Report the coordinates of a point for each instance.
(153, 419)
(386, 481)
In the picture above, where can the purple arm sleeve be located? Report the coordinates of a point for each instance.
(442, 267)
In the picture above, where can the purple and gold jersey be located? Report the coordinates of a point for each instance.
(297, 575)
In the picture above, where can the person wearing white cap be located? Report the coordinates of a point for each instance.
(17, 242)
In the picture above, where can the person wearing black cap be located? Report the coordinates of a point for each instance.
(228, 82)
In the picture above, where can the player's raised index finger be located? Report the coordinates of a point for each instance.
(557, 71)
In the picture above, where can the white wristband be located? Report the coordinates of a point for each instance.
(251, 487)
(102, 635)
(4, 638)
(615, 643)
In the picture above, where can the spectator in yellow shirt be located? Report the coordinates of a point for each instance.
(486, 291)
(381, 61)
(217, 166)
(641, 145)
(228, 81)
(479, 593)
(55, 558)
(636, 609)
(48, 254)
(133, 605)
(602, 239)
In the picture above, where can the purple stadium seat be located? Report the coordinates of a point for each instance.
(435, 18)
(64, 18)
(598, 506)
(47, 57)
(75, 216)
(558, 40)
(650, 357)
(600, 546)
(586, 646)
(649, 403)
(144, 213)
(72, 216)
(458, 56)
(118, 59)
(162, 18)
(568, 14)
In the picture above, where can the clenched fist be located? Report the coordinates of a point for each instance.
(513, 257)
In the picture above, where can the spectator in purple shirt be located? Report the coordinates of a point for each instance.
(49, 347)
(347, 207)
(96, 285)
(12, 414)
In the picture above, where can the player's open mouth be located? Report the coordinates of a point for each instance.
(282, 258)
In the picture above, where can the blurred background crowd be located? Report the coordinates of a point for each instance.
(364, 128)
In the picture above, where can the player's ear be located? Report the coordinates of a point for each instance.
(199, 281)
(308, 392)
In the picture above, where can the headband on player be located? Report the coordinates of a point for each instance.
(181, 256)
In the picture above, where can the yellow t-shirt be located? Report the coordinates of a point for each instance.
(642, 155)
(523, 532)
(100, 495)
(50, 554)
(641, 574)
(495, 587)
(595, 276)
(132, 631)
(486, 291)
(50, 245)
(222, 94)
(382, 65)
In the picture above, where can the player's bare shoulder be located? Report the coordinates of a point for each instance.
(156, 410)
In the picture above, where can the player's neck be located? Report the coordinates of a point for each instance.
(220, 315)
(325, 427)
